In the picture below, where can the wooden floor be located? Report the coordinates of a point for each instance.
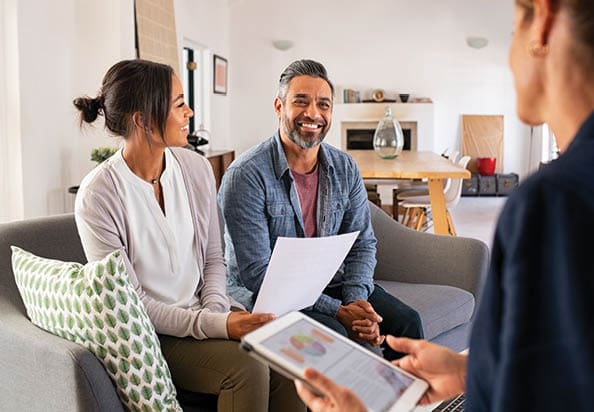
(473, 217)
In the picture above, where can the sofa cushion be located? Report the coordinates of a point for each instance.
(441, 308)
(95, 305)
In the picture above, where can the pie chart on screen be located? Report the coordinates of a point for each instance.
(308, 345)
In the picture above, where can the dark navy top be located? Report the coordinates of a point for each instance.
(532, 346)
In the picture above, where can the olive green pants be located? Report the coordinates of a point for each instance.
(218, 366)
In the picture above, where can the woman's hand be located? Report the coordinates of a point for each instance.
(242, 322)
(442, 368)
(336, 398)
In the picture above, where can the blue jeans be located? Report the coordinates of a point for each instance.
(399, 319)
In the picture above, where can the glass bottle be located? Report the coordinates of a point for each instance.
(388, 138)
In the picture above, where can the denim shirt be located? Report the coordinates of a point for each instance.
(259, 202)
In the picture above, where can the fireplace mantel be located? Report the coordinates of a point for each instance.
(421, 113)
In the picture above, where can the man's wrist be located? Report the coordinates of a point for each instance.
(340, 313)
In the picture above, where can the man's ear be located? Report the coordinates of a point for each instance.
(278, 106)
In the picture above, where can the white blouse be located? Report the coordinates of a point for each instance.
(166, 264)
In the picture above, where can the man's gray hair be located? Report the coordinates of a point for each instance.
(301, 68)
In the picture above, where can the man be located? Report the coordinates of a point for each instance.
(293, 185)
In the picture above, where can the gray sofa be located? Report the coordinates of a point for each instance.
(437, 275)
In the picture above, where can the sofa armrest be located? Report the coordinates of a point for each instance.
(43, 372)
(405, 255)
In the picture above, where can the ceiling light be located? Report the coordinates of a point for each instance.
(282, 44)
(476, 42)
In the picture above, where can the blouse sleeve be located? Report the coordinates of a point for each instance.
(213, 294)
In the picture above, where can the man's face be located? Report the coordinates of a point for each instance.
(306, 114)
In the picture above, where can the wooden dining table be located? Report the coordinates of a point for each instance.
(414, 165)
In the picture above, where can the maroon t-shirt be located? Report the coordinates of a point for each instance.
(307, 189)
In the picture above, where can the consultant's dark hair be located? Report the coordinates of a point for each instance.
(581, 13)
(301, 68)
(129, 87)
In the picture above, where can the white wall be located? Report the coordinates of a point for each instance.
(65, 47)
(206, 22)
(11, 176)
(400, 46)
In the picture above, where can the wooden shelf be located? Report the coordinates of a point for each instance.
(220, 161)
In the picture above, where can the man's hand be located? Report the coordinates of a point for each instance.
(442, 368)
(368, 331)
(361, 321)
(336, 398)
(242, 322)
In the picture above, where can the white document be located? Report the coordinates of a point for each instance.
(299, 270)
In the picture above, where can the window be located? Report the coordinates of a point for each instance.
(195, 72)
(550, 151)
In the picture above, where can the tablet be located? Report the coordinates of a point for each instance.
(294, 342)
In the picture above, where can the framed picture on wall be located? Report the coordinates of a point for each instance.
(220, 75)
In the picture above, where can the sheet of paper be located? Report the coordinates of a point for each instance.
(299, 270)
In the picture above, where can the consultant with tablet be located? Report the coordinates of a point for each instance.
(294, 342)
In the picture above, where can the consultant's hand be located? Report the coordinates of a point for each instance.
(240, 323)
(337, 398)
(360, 310)
(442, 368)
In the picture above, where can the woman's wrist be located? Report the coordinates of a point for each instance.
(462, 361)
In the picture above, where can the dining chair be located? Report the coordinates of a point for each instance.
(421, 189)
(416, 208)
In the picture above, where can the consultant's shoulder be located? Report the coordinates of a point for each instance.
(555, 193)
(571, 176)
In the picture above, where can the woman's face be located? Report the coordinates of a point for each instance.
(178, 120)
(527, 71)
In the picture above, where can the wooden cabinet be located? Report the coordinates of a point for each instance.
(220, 161)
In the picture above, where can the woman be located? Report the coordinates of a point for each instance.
(532, 346)
(156, 201)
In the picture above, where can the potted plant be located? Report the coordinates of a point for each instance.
(101, 154)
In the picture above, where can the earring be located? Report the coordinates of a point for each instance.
(537, 50)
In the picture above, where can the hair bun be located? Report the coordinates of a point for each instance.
(89, 107)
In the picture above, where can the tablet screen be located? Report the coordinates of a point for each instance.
(305, 345)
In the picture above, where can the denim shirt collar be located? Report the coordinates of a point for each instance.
(281, 165)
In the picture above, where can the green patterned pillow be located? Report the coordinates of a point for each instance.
(96, 306)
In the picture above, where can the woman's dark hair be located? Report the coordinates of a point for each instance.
(581, 13)
(301, 68)
(131, 86)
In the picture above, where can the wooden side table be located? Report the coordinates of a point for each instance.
(220, 161)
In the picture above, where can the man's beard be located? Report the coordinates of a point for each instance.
(294, 136)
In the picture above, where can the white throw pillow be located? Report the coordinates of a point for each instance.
(96, 306)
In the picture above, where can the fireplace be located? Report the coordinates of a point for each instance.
(361, 119)
(359, 135)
